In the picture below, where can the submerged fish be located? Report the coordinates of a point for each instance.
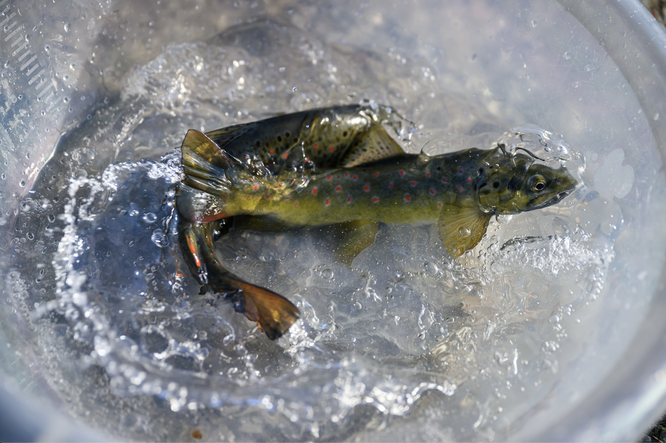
(338, 166)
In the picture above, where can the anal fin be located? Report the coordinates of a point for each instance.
(353, 237)
(461, 228)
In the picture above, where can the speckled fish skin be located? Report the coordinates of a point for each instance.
(324, 138)
(340, 167)
(407, 189)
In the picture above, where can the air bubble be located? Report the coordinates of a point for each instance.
(47, 48)
(566, 55)
(149, 217)
(67, 27)
(158, 238)
(464, 232)
(22, 183)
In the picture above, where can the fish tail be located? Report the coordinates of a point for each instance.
(273, 313)
(206, 187)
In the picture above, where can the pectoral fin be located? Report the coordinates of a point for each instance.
(353, 237)
(460, 229)
(373, 145)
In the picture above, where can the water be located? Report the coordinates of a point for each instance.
(404, 337)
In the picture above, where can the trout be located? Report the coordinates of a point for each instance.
(338, 166)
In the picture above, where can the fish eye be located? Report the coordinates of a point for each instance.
(537, 183)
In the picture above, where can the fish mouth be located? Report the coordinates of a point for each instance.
(554, 199)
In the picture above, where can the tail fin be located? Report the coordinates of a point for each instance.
(273, 313)
(205, 186)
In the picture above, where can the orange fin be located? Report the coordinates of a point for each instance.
(273, 313)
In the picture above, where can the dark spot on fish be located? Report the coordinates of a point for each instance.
(481, 170)
(439, 168)
(287, 134)
(295, 140)
(515, 184)
(279, 138)
(344, 134)
(496, 185)
(258, 143)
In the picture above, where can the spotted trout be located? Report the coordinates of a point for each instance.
(339, 166)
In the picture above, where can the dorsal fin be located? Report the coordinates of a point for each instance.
(374, 145)
(198, 143)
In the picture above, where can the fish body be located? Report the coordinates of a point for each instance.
(341, 168)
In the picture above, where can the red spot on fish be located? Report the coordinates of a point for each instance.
(327, 201)
(407, 197)
(355, 177)
(338, 188)
(427, 174)
(332, 148)
(375, 199)
(467, 198)
(469, 179)
(256, 187)
(268, 196)
(376, 174)
(440, 205)
(402, 172)
(328, 178)
(315, 146)
(295, 204)
(443, 179)
(432, 191)
(413, 183)
(346, 174)
(314, 191)
(459, 188)
(349, 199)
(459, 171)
(272, 152)
(286, 154)
(391, 185)
(366, 188)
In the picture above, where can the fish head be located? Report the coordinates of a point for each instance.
(515, 183)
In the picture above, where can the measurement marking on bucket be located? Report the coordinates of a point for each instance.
(27, 61)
